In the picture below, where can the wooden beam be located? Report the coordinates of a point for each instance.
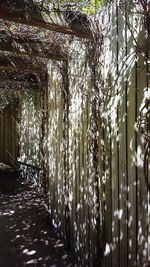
(19, 76)
(12, 62)
(29, 165)
(28, 17)
(18, 68)
(6, 85)
(32, 46)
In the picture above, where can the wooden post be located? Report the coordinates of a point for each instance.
(44, 118)
(93, 63)
(65, 96)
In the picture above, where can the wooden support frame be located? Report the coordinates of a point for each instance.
(23, 44)
(19, 76)
(10, 62)
(43, 127)
(65, 97)
(24, 17)
(28, 69)
(18, 86)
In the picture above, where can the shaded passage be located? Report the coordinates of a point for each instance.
(26, 237)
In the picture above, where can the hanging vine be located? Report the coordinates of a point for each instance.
(44, 120)
(65, 97)
(97, 101)
(8, 98)
(144, 127)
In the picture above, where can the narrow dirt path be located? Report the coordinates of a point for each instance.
(26, 237)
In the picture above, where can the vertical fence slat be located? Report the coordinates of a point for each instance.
(122, 116)
(9, 133)
(142, 187)
(114, 143)
(1, 135)
(109, 201)
(132, 182)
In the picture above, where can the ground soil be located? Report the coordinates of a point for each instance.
(26, 237)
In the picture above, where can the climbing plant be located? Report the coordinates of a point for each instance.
(56, 9)
(9, 98)
(90, 6)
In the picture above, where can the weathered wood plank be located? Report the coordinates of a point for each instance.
(23, 17)
(148, 199)
(122, 150)
(108, 197)
(142, 200)
(78, 207)
(86, 178)
(88, 187)
(1, 134)
(32, 46)
(8, 133)
(82, 146)
(132, 170)
(114, 143)
(9, 62)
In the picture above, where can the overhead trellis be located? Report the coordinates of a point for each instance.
(33, 44)
(88, 107)
(33, 32)
(31, 14)
(29, 38)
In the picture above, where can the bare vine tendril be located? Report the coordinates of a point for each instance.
(144, 127)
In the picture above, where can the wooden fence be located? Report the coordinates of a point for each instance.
(29, 130)
(127, 215)
(97, 194)
(9, 134)
(104, 204)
